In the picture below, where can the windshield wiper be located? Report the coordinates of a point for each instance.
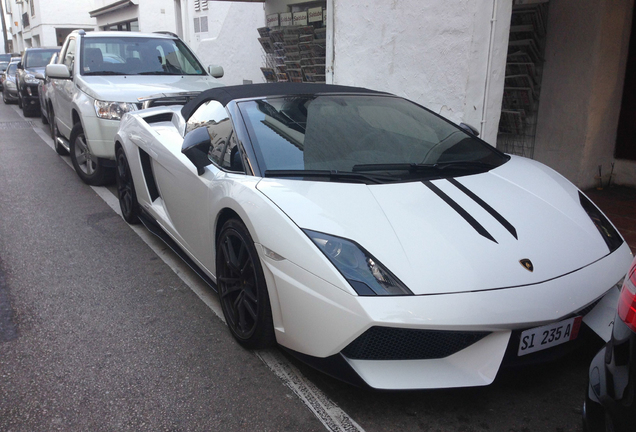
(159, 73)
(331, 174)
(413, 167)
(104, 73)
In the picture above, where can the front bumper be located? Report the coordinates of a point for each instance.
(30, 97)
(317, 320)
(100, 134)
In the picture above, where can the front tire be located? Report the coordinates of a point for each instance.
(242, 288)
(87, 165)
(126, 189)
(43, 115)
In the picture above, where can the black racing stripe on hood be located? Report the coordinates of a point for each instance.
(507, 225)
(463, 213)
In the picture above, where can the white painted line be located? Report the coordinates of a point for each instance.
(328, 413)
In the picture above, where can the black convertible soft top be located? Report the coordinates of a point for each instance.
(226, 94)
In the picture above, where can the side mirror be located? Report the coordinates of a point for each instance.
(19, 66)
(39, 76)
(196, 145)
(59, 71)
(216, 71)
(470, 129)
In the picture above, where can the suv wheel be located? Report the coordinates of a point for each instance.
(86, 164)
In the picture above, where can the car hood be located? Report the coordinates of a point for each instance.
(129, 88)
(35, 70)
(455, 235)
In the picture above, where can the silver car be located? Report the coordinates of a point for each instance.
(9, 87)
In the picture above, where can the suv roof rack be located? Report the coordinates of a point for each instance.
(168, 33)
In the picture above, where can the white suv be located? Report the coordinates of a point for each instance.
(100, 76)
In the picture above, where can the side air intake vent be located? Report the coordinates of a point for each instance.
(146, 167)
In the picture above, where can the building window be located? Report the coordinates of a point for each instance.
(25, 20)
(201, 24)
(125, 26)
(32, 8)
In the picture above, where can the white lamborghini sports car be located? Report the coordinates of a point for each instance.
(368, 236)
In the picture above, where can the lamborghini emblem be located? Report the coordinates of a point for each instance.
(527, 264)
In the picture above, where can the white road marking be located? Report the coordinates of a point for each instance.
(328, 413)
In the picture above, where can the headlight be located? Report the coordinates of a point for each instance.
(30, 79)
(9, 84)
(113, 110)
(366, 274)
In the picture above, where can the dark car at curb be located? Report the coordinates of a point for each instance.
(33, 61)
(610, 403)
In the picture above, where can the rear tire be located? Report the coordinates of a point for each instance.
(59, 148)
(242, 288)
(87, 165)
(43, 115)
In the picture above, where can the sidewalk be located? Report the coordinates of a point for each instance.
(619, 205)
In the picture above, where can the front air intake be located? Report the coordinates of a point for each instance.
(389, 343)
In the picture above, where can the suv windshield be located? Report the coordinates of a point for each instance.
(39, 57)
(376, 135)
(137, 56)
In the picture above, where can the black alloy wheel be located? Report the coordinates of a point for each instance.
(242, 288)
(126, 189)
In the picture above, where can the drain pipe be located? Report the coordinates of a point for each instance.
(330, 45)
(493, 21)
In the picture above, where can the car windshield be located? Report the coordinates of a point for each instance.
(39, 57)
(5, 58)
(370, 135)
(11, 69)
(3, 66)
(137, 56)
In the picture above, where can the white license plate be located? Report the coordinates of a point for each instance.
(540, 338)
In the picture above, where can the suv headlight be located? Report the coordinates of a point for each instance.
(30, 79)
(365, 274)
(113, 110)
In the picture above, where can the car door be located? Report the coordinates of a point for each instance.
(191, 200)
(63, 90)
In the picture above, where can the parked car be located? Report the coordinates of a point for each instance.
(44, 90)
(32, 62)
(367, 235)
(100, 76)
(9, 87)
(610, 403)
(4, 64)
(5, 59)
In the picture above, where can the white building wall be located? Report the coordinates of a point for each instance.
(157, 15)
(435, 52)
(231, 40)
(69, 14)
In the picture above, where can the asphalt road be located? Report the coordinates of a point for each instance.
(99, 333)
